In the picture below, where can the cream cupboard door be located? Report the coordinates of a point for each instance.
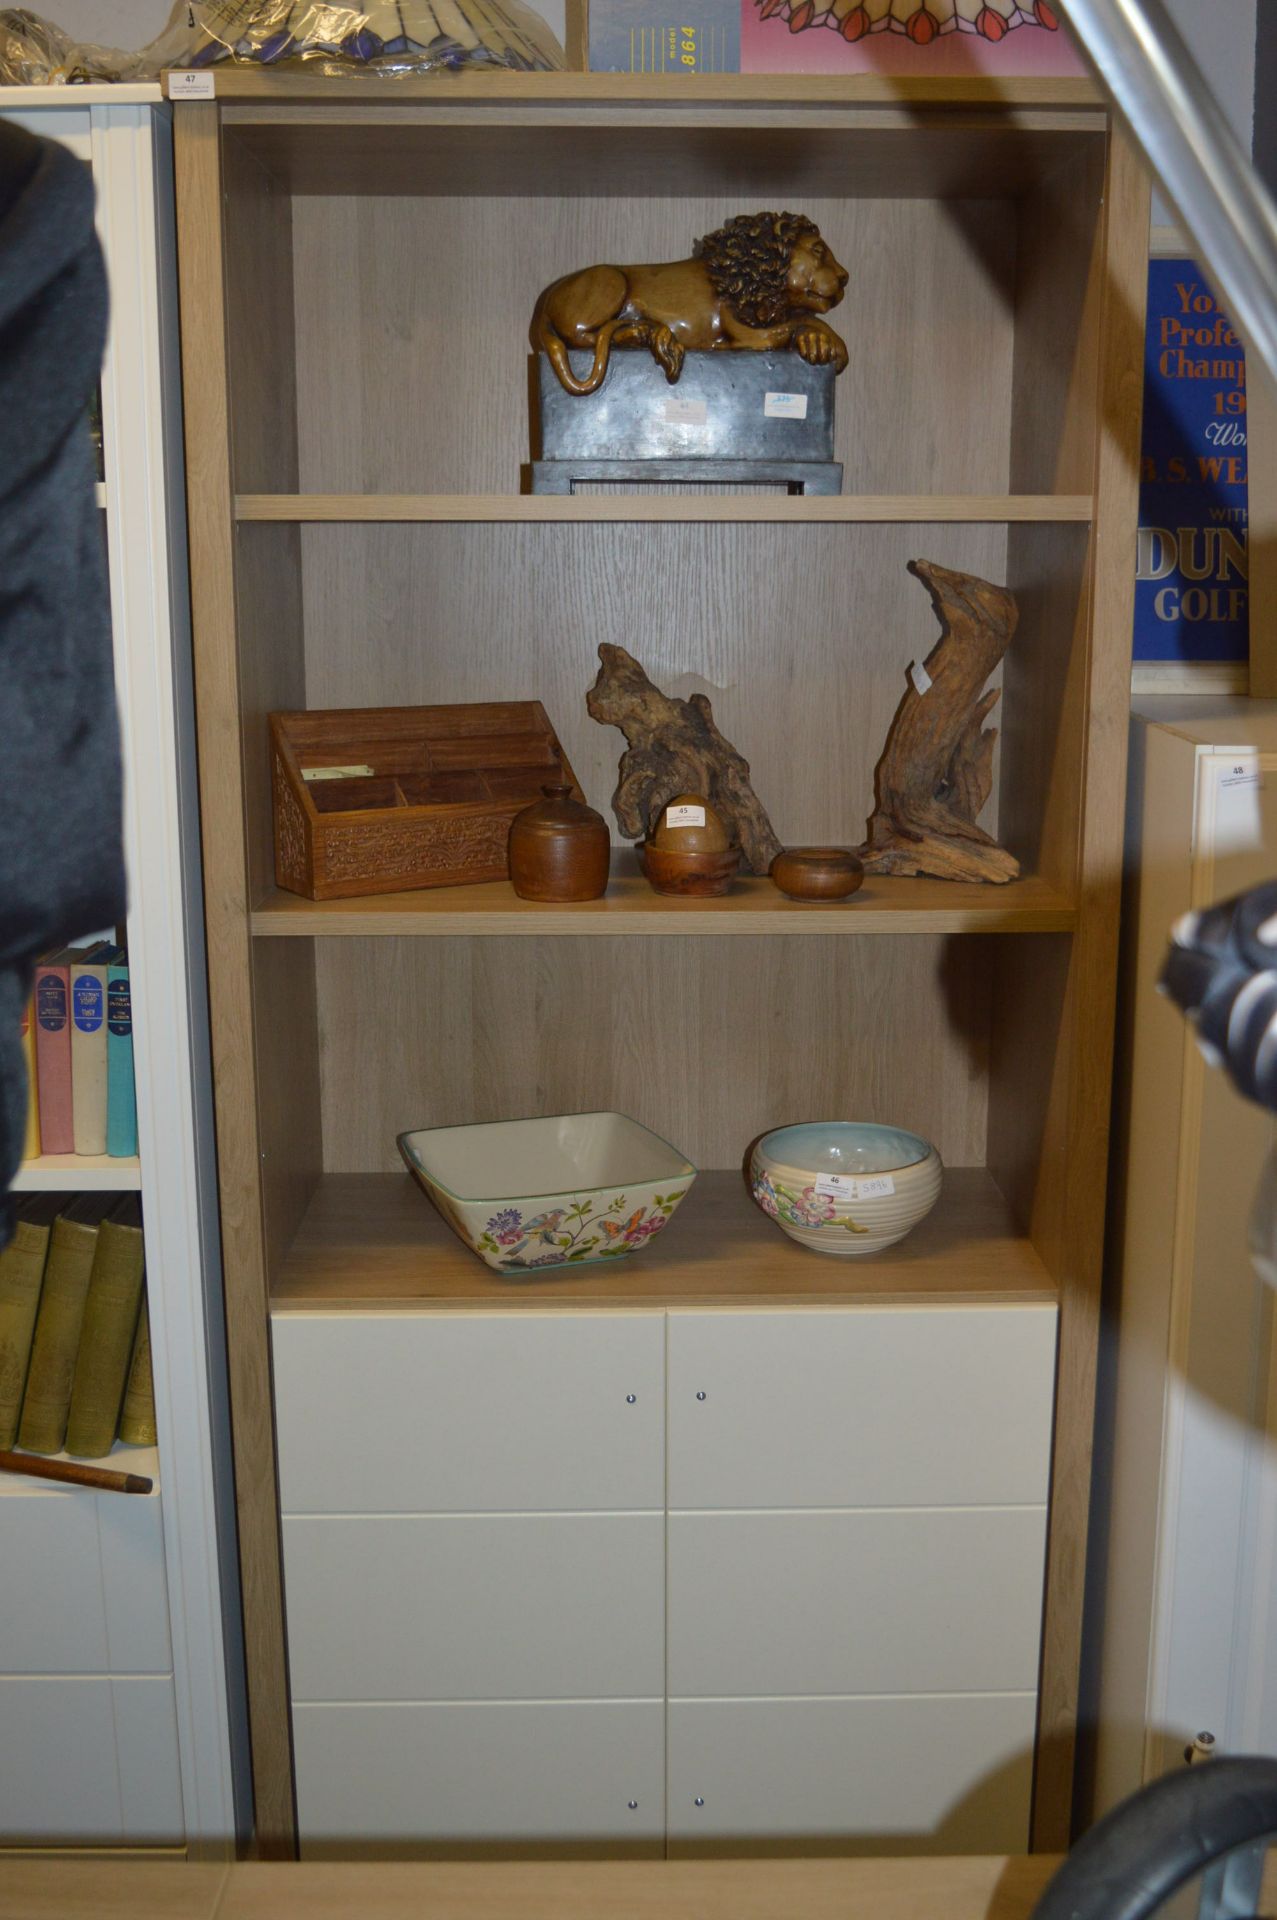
(856, 1539)
(474, 1561)
(861, 1407)
(470, 1413)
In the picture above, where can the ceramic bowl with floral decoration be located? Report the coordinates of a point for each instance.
(558, 1192)
(845, 1186)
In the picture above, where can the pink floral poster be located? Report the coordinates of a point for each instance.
(906, 38)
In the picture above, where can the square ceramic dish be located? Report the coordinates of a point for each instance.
(563, 1191)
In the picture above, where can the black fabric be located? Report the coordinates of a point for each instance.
(61, 860)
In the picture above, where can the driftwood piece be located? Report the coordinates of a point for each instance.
(936, 770)
(674, 747)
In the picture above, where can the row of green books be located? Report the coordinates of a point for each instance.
(75, 1351)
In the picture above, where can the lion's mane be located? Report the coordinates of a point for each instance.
(748, 263)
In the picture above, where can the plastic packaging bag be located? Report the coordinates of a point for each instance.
(389, 36)
(36, 53)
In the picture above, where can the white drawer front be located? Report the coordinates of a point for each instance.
(899, 1406)
(823, 1603)
(442, 1413)
(927, 1775)
(82, 1585)
(87, 1760)
(368, 1774)
(476, 1608)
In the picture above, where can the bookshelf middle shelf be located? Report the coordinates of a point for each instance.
(78, 1172)
(371, 1241)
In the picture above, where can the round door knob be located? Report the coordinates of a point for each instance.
(699, 1801)
(700, 1396)
(630, 1398)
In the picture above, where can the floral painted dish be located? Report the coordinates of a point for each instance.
(558, 1192)
(843, 1186)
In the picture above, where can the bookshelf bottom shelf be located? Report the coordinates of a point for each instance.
(373, 1240)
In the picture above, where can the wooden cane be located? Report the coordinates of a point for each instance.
(105, 1479)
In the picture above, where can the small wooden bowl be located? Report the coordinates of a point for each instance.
(817, 873)
(693, 875)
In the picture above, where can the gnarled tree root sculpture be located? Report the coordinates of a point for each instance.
(936, 769)
(674, 747)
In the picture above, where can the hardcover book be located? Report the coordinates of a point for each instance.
(53, 1054)
(21, 1271)
(31, 1138)
(47, 1400)
(121, 1103)
(137, 1415)
(88, 1047)
(106, 1337)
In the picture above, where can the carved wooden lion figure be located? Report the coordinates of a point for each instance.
(760, 282)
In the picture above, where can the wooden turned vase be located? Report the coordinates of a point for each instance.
(560, 849)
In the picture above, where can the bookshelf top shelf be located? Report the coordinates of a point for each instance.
(373, 1241)
(631, 907)
(591, 136)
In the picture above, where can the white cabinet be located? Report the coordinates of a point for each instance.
(819, 1606)
(154, 1663)
(88, 1724)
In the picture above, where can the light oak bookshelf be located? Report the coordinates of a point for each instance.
(358, 271)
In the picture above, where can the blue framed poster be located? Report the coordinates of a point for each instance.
(1191, 599)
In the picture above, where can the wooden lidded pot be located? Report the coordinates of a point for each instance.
(560, 849)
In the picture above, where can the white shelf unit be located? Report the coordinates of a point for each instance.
(188, 1682)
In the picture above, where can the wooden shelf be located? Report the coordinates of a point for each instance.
(630, 907)
(77, 1173)
(121, 1459)
(371, 1240)
(291, 90)
(849, 509)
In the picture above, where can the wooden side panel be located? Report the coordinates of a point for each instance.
(707, 1042)
(1155, 1045)
(1043, 709)
(226, 883)
(1068, 1203)
(259, 316)
(1059, 286)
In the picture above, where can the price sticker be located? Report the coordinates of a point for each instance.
(850, 1186)
(785, 406)
(920, 677)
(685, 816)
(192, 83)
(686, 413)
